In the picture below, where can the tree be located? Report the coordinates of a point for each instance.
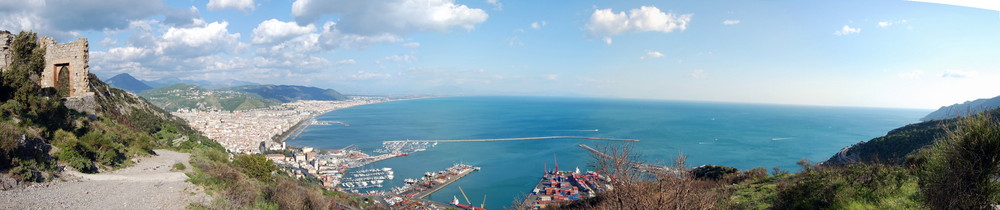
(20, 80)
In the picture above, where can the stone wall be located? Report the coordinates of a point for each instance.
(75, 56)
(5, 56)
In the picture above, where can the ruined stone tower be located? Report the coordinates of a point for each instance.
(5, 56)
(66, 65)
(73, 57)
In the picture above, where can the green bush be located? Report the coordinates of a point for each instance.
(255, 166)
(961, 169)
(178, 167)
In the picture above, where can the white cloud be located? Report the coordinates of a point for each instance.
(242, 5)
(915, 74)
(346, 62)
(651, 54)
(514, 41)
(398, 17)
(730, 22)
(605, 23)
(411, 44)
(699, 74)
(197, 41)
(847, 30)
(496, 4)
(398, 58)
(363, 75)
(886, 24)
(66, 18)
(551, 76)
(952, 73)
(275, 31)
(538, 25)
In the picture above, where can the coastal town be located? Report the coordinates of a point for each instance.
(245, 131)
(264, 131)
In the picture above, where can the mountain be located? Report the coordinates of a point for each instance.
(289, 93)
(180, 96)
(963, 109)
(896, 145)
(201, 83)
(128, 83)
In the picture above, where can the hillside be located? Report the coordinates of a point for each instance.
(229, 83)
(128, 83)
(180, 96)
(895, 146)
(289, 93)
(963, 109)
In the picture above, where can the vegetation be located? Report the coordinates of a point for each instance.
(289, 93)
(252, 181)
(38, 133)
(961, 169)
(182, 96)
(957, 172)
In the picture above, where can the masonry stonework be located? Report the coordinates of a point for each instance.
(74, 57)
(5, 56)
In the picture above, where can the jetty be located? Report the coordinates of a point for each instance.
(434, 181)
(515, 139)
(642, 167)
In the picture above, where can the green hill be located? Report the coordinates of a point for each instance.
(181, 96)
(289, 93)
(895, 146)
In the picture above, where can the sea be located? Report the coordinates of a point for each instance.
(739, 135)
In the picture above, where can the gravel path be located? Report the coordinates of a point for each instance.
(148, 185)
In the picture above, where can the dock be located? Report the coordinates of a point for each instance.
(437, 187)
(516, 139)
(643, 167)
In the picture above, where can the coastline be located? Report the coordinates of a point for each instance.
(302, 125)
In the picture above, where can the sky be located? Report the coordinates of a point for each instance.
(872, 53)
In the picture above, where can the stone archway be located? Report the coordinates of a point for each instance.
(61, 81)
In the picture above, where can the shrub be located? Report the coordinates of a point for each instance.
(962, 167)
(255, 166)
(178, 167)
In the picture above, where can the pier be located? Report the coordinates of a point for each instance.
(516, 139)
(642, 167)
(432, 182)
(452, 179)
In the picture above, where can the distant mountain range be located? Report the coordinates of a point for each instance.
(963, 109)
(128, 83)
(289, 93)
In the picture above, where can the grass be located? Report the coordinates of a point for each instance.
(178, 167)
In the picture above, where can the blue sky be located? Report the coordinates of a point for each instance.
(839, 53)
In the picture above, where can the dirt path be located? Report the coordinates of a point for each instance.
(148, 185)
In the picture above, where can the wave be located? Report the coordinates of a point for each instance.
(780, 139)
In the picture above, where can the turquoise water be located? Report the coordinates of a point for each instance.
(739, 135)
